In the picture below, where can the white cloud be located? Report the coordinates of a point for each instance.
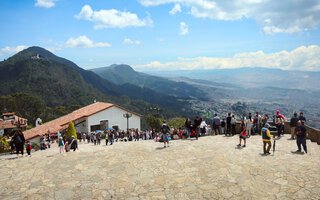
(183, 28)
(11, 50)
(45, 3)
(175, 9)
(129, 41)
(112, 18)
(84, 42)
(301, 58)
(285, 16)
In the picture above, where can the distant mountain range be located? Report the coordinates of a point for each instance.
(60, 82)
(251, 77)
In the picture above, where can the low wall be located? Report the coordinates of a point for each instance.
(312, 133)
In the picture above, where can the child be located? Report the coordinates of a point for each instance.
(243, 135)
(28, 148)
(66, 147)
(61, 144)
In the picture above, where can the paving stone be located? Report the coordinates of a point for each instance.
(209, 168)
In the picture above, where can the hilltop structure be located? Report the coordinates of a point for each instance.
(9, 121)
(96, 116)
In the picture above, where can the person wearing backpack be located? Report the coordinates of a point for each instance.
(19, 141)
(165, 130)
(28, 148)
(266, 138)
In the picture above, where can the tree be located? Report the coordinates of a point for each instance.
(71, 131)
(153, 122)
(177, 122)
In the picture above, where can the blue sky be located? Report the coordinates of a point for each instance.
(167, 34)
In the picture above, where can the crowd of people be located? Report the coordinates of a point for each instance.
(249, 125)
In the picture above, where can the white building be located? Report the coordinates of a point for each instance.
(96, 116)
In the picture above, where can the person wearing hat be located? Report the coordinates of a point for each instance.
(61, 145)
(165, 130)
(266, 138)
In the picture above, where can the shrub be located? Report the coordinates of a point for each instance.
(71, 131)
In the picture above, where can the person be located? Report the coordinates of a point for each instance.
(266, 138)
(188, 127)
(243, 121)
(165, 130)
(301, 137)
(249, 124)
(302, 118)
(264, 120)
(203, 127)
(61, 145)
(196, 126)
(79, 136)
(137, 135)
(98, 138)
(228, 132)
(94, 138)
(280, 119)
(28, 148)
(19, 141)
(233, 125)
(223, 124)
(12, 146)
(84, 136)
(257, 123)
(216, 124)
(88, 137)
(243, 136)
(66, 146)
(110, 137)
(73, 143)
(293, 124)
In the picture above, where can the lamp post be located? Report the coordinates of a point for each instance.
(127, 115)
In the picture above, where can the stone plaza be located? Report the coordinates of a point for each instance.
(209, 168)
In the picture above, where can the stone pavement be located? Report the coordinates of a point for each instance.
(210, 168)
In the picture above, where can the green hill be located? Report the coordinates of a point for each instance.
(60, 82)
(122, 74)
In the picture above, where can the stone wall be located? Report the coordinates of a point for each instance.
(312, 133)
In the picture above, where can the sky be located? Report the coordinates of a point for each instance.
(167, 34)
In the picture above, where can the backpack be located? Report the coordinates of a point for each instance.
(18, 139)
(165, 128)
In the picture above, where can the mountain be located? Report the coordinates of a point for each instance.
(251, 77)
(58, 81)
(122, 74)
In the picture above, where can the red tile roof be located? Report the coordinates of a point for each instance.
(6, 124)
(62, 122)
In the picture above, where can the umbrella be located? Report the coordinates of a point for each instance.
(110, 129)
(98, 131)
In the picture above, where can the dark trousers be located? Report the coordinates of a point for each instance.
(301, 141)
(264, 146)
(197, 131)
(19, 148)
(233, 127)
(228, 129)
(215, 128)
(280, 129)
